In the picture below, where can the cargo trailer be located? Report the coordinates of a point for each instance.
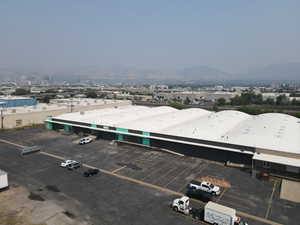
(3, 180)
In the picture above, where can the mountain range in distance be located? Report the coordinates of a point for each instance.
(119, 73)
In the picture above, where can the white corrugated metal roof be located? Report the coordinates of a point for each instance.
(277, 159)
(208, 126)
(272, 131)
(163, 122)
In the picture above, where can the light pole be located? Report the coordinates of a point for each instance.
(2, 116)
(71, 105)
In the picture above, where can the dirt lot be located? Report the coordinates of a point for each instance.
(166, 171)
(18, 206)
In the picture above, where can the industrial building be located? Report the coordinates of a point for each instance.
(12, 117)
(16, 101)
(268, 142)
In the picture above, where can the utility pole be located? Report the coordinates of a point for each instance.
(71, 105)
(2, 118)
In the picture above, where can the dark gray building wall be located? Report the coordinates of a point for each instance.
(186, 149)
(203, 152)
(274, 168)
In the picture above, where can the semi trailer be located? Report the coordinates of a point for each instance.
(212, 213)
(3, 180)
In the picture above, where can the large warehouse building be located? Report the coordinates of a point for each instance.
(13, 101)
(267, 142)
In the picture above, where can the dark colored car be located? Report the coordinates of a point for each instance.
(200, 195)
(91, 172)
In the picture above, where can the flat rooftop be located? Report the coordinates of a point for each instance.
(273, 131)
(155, 173)
(5, 97)
(60, 104)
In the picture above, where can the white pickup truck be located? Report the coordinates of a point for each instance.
(67, 162)
(204, 186)
(85, 140)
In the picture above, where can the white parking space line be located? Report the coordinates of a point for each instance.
(116, 170)
(164, 189)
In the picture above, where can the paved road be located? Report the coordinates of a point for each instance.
(104, 199)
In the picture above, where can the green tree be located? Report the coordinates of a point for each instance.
(221, 101)
(46, 99)
(103, 95)
(282, 100)
(21, 91)
(91, 94)
(250, 110)
(187, 101)
(270, 101)
(297, 114)
(177, 106)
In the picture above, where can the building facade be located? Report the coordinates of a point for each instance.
(266, 143)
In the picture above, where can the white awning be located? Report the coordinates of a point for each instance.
(277, 159)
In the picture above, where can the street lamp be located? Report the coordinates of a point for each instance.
(2, 116)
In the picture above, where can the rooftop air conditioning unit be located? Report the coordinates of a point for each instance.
(44, 108)
(81, 112)
(13, 110)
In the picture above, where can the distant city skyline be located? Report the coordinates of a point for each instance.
(233, 36)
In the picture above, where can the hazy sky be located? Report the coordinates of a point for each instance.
(232, 35)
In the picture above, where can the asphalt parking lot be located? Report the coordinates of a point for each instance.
(109, 200)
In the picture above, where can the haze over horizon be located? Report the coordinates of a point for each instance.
(233, 36)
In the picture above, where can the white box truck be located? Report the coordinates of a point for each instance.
(218, 214)
(3, 180)
(214, 213)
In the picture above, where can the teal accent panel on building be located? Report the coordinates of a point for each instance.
(122, 130)
(146, 133)
(146, 141)
(94, 126)
(67, 128)
(120, 137)
(49, 126)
